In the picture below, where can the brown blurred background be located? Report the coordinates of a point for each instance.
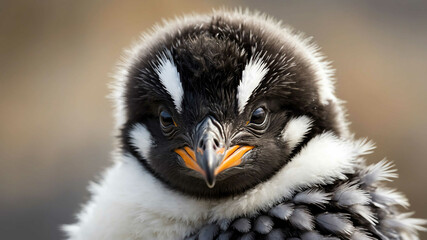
(56, 57)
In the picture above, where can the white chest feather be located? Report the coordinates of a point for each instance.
(129, 203)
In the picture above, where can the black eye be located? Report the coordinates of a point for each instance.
(258, 116)
(166, 119)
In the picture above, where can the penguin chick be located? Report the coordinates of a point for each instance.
(229, 128)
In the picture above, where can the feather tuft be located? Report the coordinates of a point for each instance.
(381, 171)
(384, 197)
(263, 224)
(312, 196)
(404, 222)
(242, 225)
(335, 223)
(364, 146)
(224, 224)
(349, 194)
(365, 212)
(282, 211)
(301, 218)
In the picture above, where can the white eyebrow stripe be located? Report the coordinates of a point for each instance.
(252, 76)
(169, 77)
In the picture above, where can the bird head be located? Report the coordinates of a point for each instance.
(213, 107)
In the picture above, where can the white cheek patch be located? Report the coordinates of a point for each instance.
(169, 77)
(295, 130)
(142, 140)
(252, 76)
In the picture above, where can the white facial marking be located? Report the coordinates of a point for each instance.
(295, 130)
(252, 75)
(170, 79)
(142, 140)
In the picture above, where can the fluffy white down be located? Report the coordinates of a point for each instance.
(129, 203)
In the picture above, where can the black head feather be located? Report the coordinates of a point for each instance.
(210, 56)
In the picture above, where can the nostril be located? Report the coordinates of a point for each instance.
(201, 145)
(216, 143)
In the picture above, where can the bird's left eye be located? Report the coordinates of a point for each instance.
(166, 119)
(258, 116)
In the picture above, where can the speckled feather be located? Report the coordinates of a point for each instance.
(358, 208)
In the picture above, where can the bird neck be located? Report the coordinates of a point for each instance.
(131, 196)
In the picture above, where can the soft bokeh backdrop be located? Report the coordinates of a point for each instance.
(56, 58)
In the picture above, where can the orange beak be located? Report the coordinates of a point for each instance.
(232, 157)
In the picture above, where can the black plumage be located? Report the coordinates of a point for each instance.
(344, 209)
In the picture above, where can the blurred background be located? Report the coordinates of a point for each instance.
(57, 56)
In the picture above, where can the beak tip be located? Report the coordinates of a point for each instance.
(210, 180)
(210, 184)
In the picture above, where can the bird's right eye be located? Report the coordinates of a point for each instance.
(258, 116)
(166, 119)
